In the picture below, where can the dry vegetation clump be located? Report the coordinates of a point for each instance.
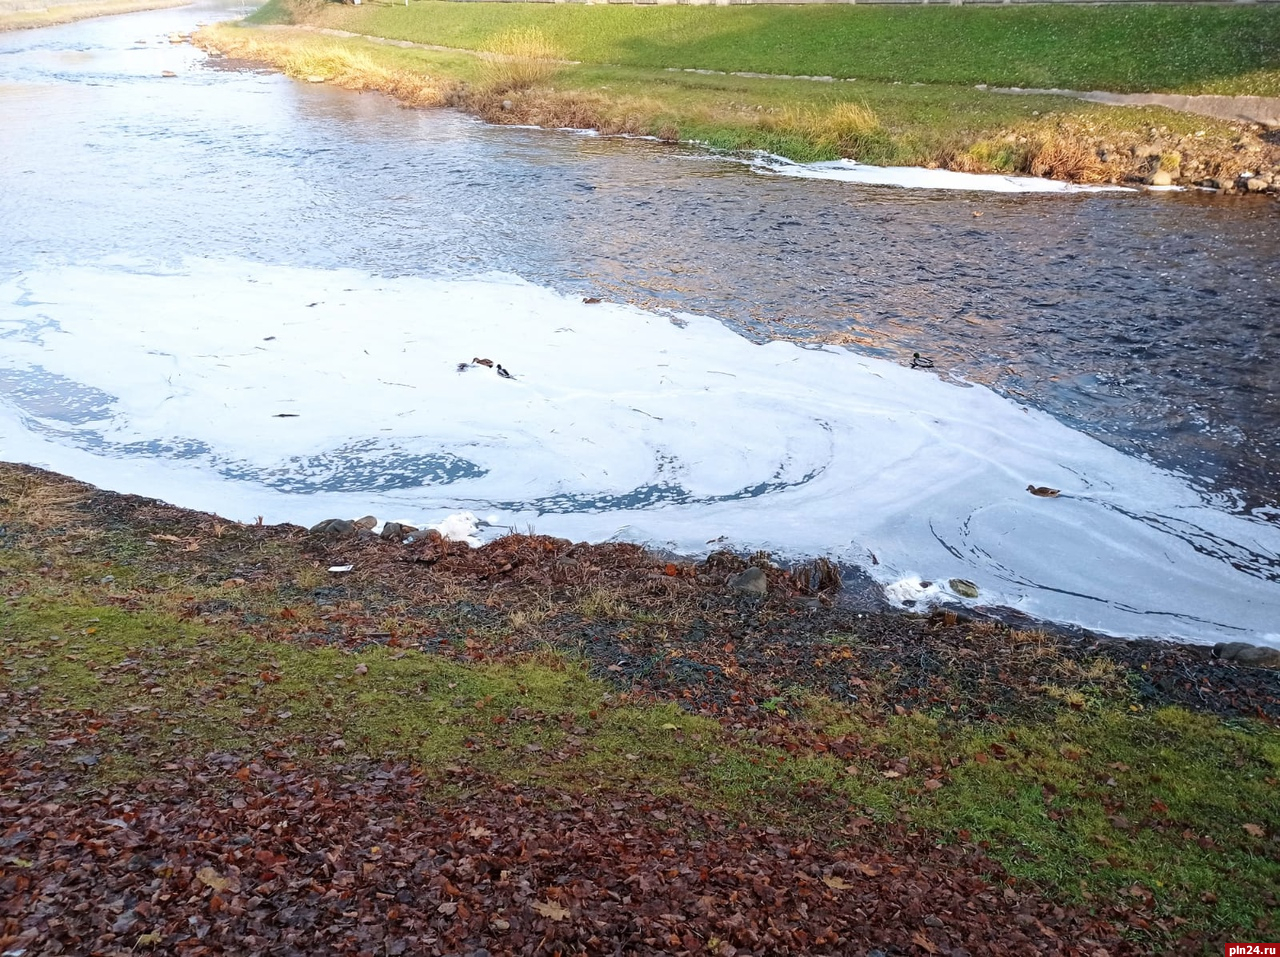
(332, 63)
(1062, 157)
(518, 60)
(38, 503)
(549, 109)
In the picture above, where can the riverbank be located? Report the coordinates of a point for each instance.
(27, 14)
(321, 738)
(787, 89)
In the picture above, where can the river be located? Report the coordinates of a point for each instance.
(250, 295)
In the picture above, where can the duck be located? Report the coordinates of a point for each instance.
(504, 373)
(464, 366)
(482, 362)
(593, 300)
(1044, 491)
(920, 362)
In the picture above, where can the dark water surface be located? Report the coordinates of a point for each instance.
(1149, 321)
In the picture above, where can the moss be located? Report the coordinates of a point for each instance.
(1084, 792)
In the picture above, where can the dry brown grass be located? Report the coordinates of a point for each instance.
(519, 59)
(318, 61)
(39, 503)
(547, 109)
(1063, 157)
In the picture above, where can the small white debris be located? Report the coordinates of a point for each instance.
(340, 568)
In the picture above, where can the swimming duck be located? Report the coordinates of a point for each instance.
(1043, 491)
(920, 362)
(464, 366)
(504, 373)
(482, 362)
(593, 300)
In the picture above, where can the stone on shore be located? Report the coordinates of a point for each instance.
(750, 582)
(334, 527)
(1243, 653)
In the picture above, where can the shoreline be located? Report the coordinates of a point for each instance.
(729, 87)
(1239, 158)
(170, 674)
(22, 15)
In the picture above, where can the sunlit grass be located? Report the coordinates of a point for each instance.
(1176, 47)
(69, 12)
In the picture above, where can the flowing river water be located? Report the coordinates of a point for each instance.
(250, 295)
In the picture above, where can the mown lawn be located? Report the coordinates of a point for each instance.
(1194, 48)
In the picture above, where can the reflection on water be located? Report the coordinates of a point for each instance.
(1147, 321)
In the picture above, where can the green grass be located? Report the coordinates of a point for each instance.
(1195, 48)
(953, 126)
(1107, 800)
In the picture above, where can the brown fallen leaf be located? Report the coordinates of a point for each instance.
(551, 909)
(1254, 830)
(836, 883)
(924, 942)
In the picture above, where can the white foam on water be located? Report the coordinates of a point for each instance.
(916, 177)
(618, 424)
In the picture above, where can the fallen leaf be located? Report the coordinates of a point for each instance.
(1254, 830)
(551, 909)
(924, 942)
(211, 878)
(891, 774)
(836, 883)
(362, 669)
(150, 940)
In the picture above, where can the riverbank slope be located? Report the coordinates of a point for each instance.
(27, 14)
(328, 741)
(879, 85)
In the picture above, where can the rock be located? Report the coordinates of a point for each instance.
(366, 523)
(1243, 653)
(1256, 184)
(424, 535)
(506, 104)
(963, 587)
(334, 527)
(750, 582)
(1161, 177)
(397, 531)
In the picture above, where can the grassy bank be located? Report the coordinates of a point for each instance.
(1123, 48)
(593, 723)
(508, 63)
(14, 17)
